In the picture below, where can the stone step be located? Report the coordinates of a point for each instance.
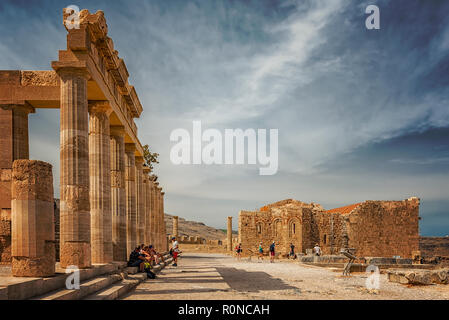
(86, 288)
(134, 278)
(21, 288)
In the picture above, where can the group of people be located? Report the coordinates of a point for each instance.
(144, 257)
(272, 250)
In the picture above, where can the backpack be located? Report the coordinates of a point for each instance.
(150, 274)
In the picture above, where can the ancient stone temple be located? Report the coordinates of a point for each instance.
(108, 200)
(372, 228)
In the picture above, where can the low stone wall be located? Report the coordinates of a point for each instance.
(185, 247)
(419, 277)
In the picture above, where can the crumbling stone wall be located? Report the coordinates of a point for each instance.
(384, 228)
(373, 228)
(331, 235)
(285, 222)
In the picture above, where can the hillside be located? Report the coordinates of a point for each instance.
(193, 228)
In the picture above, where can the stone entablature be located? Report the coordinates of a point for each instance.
(373, 228)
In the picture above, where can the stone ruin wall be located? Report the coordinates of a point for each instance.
(287, 221)
(330, 232)
(373, 228)
(384, 228)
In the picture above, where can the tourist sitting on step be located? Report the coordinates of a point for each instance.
(156, 256)
(147, 254)
(136, 259)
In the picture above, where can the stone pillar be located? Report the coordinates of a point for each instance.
(229, 234)
(163, 227)
(100, 182)
(13, 146)
(159, 222)
(33, 235)
(147, 206)
(118, 195)
(130, 190)
(74, 181)
(20, 139)
(152, 212)
(140, 212)
(155, 215)
(175, 227)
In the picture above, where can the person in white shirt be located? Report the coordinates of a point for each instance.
(317, 250)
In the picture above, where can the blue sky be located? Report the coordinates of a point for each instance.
(362, 114)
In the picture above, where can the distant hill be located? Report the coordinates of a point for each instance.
(193, 228)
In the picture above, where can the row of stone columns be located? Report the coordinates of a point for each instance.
(109, 202)
(106, 206)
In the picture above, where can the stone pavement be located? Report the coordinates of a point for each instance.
(203, 276)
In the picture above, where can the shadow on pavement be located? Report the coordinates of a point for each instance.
(244, 281)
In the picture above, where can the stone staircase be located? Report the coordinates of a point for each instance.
(101, 282)
(118, 289)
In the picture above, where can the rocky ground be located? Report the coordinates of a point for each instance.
(213, 276)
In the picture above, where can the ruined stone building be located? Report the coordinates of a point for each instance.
(372, 228)
(109, 201)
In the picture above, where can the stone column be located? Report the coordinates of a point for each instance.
(140, 212)
(118, 195)
(33, 235)
(175, 227)
(100, 182)
(147, 206)
(20, 139)
(163, 227)
(130, 190)
(13, 145)
(229, 234)
(159, 222)
(152, 213)
(156, 213)
(74, 181)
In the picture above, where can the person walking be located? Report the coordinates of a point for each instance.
(175, 250)
(317, 250)
(272, 252)
(260, 252)
(239, 251)
(292, 250)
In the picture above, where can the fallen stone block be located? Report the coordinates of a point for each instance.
(419, 277)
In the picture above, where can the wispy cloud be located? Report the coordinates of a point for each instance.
(307, 68)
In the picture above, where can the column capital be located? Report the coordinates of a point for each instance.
(139, 161)
(130, 148)
(71, 69)
(20, 106)
(99, 106)
(117, 131)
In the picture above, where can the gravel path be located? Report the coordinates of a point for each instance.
(201, 276)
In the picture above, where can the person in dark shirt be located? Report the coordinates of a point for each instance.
(292, 250)
(272, 252)
(136, 259)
